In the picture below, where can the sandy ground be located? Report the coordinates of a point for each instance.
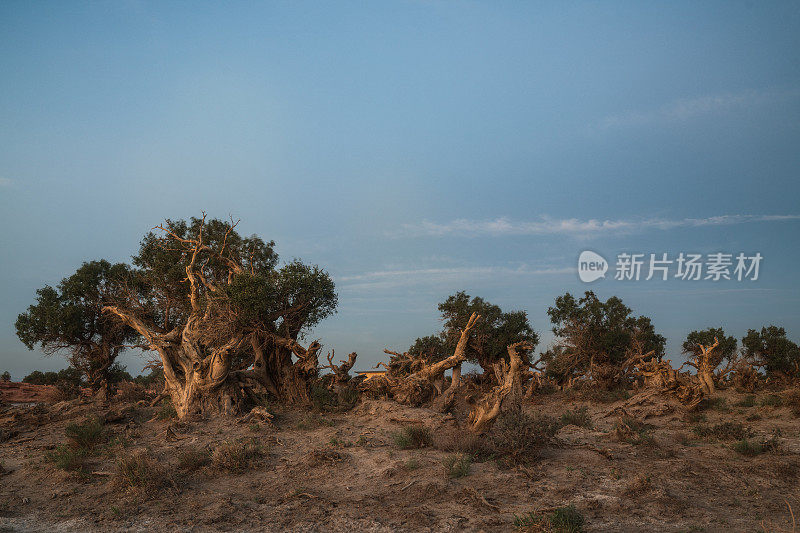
(344, 472)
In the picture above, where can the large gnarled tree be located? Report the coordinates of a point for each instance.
(225, 321)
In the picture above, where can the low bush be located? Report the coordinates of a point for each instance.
(602, 395)
(141, 470)
(518, 438)
(411, 464)
(747, 401)
(629, 429)
(751, 448)
(723, 431)
(457, 465)
(717, 404)
(67, 457)
(577, 417)
(236, 456)
(562, 520)
(128, 391)
(66, 390)
(478, 447)
(166, 411)
(325, 399)
(696, 417)
(772, 400)
(86, 435)
(792, 400)
(411, 437)
(193, 458)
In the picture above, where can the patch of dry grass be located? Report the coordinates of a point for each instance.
(141, 471)
(236, 456)
(518, 438)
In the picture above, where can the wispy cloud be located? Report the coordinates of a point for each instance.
(687, 109)
(575, 227)
(387, 279)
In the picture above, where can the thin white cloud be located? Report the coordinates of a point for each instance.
(575, 227)
(687, 109)
(388, 279)
(5, 182)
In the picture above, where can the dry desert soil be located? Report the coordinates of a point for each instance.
(316, 471)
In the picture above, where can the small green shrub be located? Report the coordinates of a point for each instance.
(793, 401)
(772, 400)
(411, 437)
(562, 520)
(86, 435)
(629, 429)
(322, 398)
(750, 448)
(718, 404)
(348, 398)
(747, 401)
(457, 465)
(411, 464)
(67, 458)
(695, 417)
(577, 417)
(723, 431)
(166, 411)
(235, 456)
(314, 420)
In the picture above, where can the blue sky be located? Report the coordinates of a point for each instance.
(411, 148)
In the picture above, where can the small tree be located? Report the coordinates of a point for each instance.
(773, 351)
(707, 350)
(726, 349)
(597, 338)
(69, 319)
(492, 335)
(6, 376)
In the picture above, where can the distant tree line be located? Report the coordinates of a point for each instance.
(595, 338)
(226, 322)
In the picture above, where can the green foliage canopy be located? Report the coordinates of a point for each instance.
(771, 349)
(69, 319)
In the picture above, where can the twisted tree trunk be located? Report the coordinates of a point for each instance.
(507, 393)
(421, 386)
(705, 362)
